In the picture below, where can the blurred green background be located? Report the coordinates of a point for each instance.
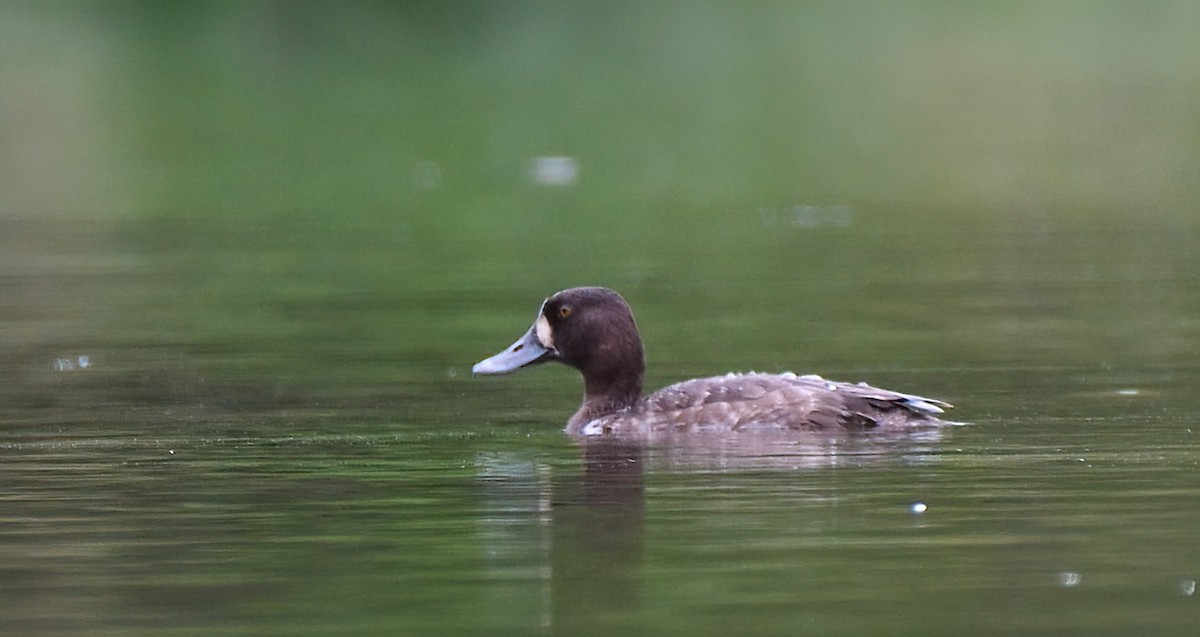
(346, 198)
(237, 166)
(245, 110)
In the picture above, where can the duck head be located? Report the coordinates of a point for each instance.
(590, 329)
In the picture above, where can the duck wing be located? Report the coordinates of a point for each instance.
(743, 402)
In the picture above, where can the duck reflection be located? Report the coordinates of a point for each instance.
(585, 530)
(596, 550)
(594, 520)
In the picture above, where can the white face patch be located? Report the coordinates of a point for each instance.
(545, 334)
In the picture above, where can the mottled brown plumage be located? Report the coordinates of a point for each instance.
(593, 330)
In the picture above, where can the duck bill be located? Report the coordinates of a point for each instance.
(528, 350)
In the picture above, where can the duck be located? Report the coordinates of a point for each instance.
(592, 329)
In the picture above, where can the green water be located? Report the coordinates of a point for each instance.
(250, 251)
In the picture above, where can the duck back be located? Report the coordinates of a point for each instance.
(767, 402)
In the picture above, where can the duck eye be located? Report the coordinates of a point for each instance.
(564, 312)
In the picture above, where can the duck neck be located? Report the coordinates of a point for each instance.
(615, 392)
(606, 394)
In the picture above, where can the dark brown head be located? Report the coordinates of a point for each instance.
(590, 329)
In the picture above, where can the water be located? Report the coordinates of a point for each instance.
(177, 485)
(240, 297)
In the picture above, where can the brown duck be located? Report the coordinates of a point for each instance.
(592, 329)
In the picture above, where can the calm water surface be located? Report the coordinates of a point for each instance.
(169, 483)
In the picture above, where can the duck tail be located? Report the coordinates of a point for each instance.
(925, 405)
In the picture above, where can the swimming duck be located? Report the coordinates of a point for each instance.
(592, 329)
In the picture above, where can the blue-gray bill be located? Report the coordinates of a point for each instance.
(528, 350)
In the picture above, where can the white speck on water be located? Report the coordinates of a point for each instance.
(818, 216)
(1070, 579)
(1128, 392)
(72, 363)
(918, 507)
(426, 175)
(808, 216)
(1188, 587)
(554, 171)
